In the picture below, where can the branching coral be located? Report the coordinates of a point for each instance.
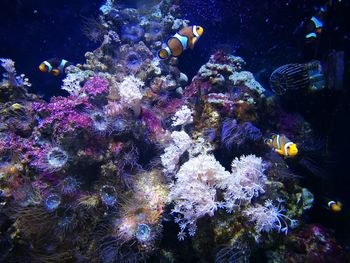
(194, 191)
(172, 153)
(247, 181)
(182, 116)
(130, 93)
(268, 217)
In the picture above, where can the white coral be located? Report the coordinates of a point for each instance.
(8, 65)
(130, 93)
(194, 191)
(182, 116)
(181, 143)
(269, 217)
(75, 76)
(246, 181)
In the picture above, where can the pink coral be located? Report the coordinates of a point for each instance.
(152, 122)
(96, 85)
(63, 114)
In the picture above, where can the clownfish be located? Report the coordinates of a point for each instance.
(282, 145)
(314, 27)
(54, 66)
(334, 206)
(185, 38)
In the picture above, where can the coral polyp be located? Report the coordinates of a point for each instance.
(100, 122)
(52, 202)
(133, 61)
(143, 233)
(108, 195)
(69, 185)
(131, 33)
(57, 158)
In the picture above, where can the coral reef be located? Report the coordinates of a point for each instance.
(99, 174)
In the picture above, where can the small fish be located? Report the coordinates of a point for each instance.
(297, 76)
(334, 206)
(54, 66)
(314, 27)
(185, 38)
(282, 145)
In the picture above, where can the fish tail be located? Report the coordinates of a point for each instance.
(163, 54)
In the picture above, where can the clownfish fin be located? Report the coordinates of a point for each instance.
(55, 72)
(193, 41)
(279, 152)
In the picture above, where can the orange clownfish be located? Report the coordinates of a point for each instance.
(54, 66)
(185, 38)
(282, 145)
(334, 206)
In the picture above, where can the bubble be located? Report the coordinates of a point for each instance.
(108, 195)
(52, 202)
(143, 233)
(57, 158)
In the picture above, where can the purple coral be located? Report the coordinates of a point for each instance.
(233, 133)
(96, 85)
(62, 113)
(152, 122)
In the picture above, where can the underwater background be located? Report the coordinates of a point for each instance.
(123, 156)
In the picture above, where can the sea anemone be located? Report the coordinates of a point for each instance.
(131, 33)
(120, 125)
(129, 159)
(133, 61)
(234, 134)
(136, 58)
(69, 186)
(101, 123)
(110, 250)
(57, 158)
(52, 202)
(51, 159)
(143, 233)
(108, 195)
(154, 32)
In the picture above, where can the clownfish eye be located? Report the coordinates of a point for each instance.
(288, 147)
(197, 28)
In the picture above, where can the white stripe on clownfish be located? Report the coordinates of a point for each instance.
(278, 142)
(286, 147)
(183, 40)
(317, 22)
(194, 31)
(49, 67)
